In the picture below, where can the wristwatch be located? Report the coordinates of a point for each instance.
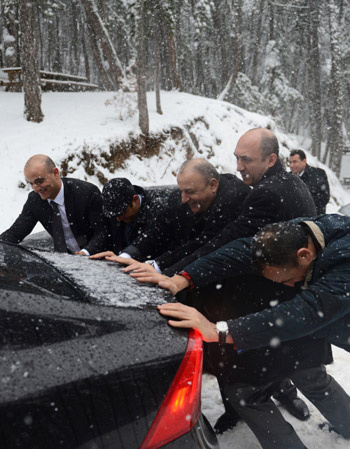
(221, 328)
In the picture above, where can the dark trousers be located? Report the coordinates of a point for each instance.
(261, 414)
(235, 298)
(327, 396)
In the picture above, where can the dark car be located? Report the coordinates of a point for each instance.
(87, 362)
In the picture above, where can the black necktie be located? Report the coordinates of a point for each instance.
(57, 230)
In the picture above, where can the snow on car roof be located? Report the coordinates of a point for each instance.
(104, 281)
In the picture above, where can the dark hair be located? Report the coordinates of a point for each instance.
(299, 153)
(203, 167)
(277, 245)
(268, 144)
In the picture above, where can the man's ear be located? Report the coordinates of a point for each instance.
(56, 172)
(214, 184)
(272, 159)
(136, 200)
(305, 256)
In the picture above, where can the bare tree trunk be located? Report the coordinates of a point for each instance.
(237, 51)
(104, 52)
(57, 63)
(85, 53)
(30, 68)
(172, 57)
(141, 77)
(257, 37)
(314, 78)
(75, 39)
(336, 138)
(271, 16)
(222, 37)
(157, 64)
(9, 38)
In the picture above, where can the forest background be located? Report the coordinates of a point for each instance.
(288, 61)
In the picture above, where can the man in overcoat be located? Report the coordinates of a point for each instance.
(315, 178)
(322, 308)
(312, 253)
(69, 209)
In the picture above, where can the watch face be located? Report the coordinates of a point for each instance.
(221, 326)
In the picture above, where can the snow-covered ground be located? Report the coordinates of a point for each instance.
(75, 120)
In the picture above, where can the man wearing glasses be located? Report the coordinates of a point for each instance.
(69, 209)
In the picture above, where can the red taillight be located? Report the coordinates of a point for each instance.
(180, 409)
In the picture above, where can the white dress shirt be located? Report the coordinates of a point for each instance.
(71, 241)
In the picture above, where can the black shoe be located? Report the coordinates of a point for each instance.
(295, 407)
(226, 421)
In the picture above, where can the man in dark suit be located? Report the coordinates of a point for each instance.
(312, 253)
(315, 179)
(69, 209)
(131, 211)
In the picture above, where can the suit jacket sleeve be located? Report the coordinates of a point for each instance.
(233, 259)
(322, 195)
(315, 308)
(24, 224)
(260, 208)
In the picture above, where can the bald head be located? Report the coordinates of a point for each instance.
(38, 160)
(264, 139)
(198, 182)
(42, 174)
(256, 152)
(202, 167)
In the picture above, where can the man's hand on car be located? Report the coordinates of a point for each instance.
(139, 268)
(112, 257)
(189, 317)
(148, 274)
(102, 255)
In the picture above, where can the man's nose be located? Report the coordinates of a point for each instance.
(35, 187)
(240, 166)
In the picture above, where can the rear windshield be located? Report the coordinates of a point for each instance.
(21, 270)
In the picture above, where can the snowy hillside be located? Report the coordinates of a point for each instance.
(83, 128)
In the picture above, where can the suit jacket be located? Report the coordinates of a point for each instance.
(317, 182)
(83, 203)
(178, 231)
(279, 196)
(153, 204)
